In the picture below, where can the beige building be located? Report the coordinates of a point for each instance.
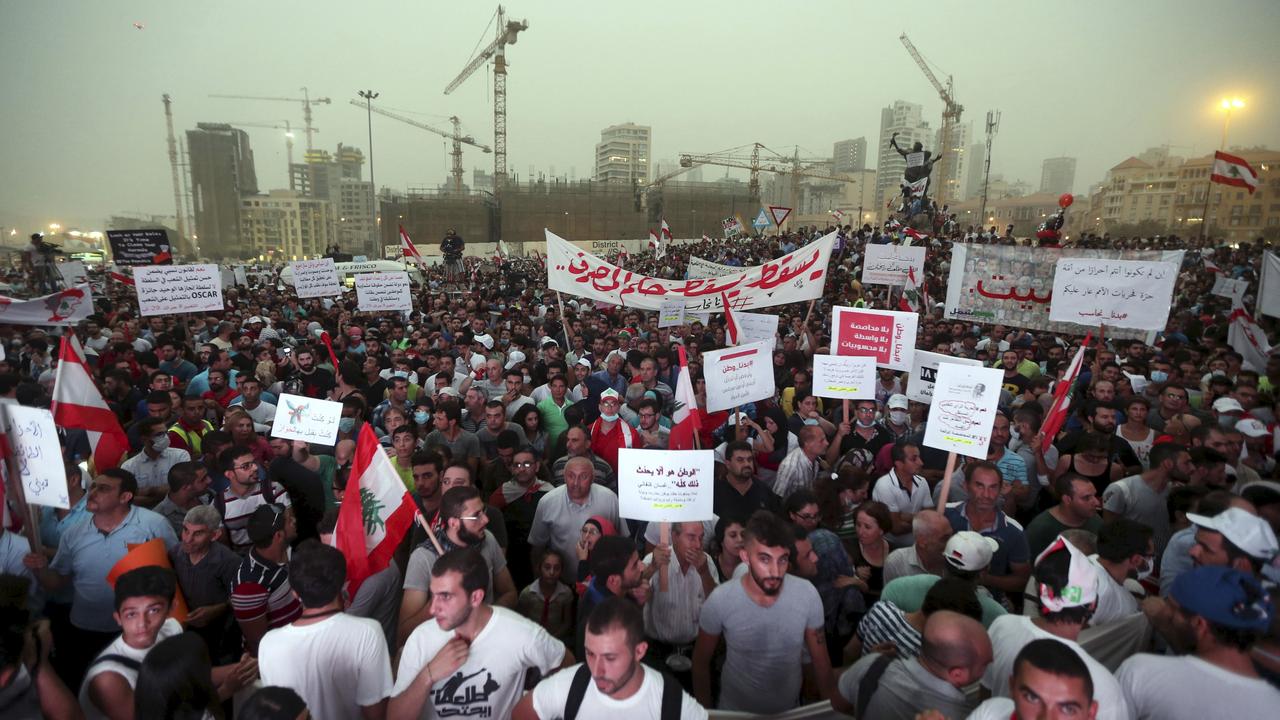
(819, 196)
(623, 153)
(1136, 191)
(285, 224)
(1234, 213)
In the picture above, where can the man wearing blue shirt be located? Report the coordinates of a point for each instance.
(1011, 564)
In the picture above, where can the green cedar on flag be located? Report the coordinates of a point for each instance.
(1234, 170)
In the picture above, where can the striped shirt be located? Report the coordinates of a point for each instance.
(796, 471)
(672, 617)
(261, 589)
(236, 511)
(885, 623)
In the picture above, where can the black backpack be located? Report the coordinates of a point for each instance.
(671, 695)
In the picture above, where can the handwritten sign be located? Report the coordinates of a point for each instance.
(73, 273)
(756, 327)
(307, 419)
(924, 373)
(1117, 293)
(963, 409)
(847, 377)
(915, 159)
(140, 247)
(315, 278)
(889, 264)
(699, 268)
(383, 291)
(169, 289)
(1224, 286)
(888, 336)
(671, 315)
(738, 375)
(665, 485)
(34, 440)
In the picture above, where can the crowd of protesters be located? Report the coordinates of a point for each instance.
(1120, 570)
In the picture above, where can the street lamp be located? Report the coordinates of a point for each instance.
(1228, 106)
(369, 96)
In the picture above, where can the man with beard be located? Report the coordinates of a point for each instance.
(517, 499)
(315, 382)
(471, 658)
(1100, 418)
(1143, 497)
(766, 622)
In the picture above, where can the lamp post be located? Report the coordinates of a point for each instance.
(1227, 106)
(369, 96)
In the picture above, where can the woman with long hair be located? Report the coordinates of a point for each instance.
(839, 496)
(769, 455)
(175, 682)
(529, 420)
(871, 521)
(728, 544)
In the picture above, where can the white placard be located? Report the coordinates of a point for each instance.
(915, 159)
(307, 419)
(169, 289)
(889, 264)
(73, 273)
(242, 277)
(315, 278)
(847, 377)
(34, 440)
(889, 336)
(700, 268)
(1224, 286)
(924, 371)
(671, 315)
(963, 409)
(738, 375)
(1116, 293)
(665, 485)
(383, 291)
(228, 278)
(756, 327)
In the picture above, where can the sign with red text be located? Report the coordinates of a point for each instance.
(847, 377)
(666, 485)
(888, 336)
(738, 375)
(963, 409)
(171, 289)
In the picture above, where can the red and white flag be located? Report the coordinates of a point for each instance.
(1062, 395)
(655, 244)
(1233, 170)
(666, 231)
(911, 233)
(78, 404)
(687, 418)
(914, 294)
(375, 514)
(730, 325)
(1211, 266)
(409, 249)
(1246, 338)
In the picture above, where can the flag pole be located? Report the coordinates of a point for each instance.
(946, 482)
(564, 324)
(431, 534)
(664, 539)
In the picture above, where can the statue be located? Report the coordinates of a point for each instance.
(915, 182)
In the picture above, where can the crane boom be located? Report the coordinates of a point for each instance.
(306, 101)
(288, 137)
(752, 163)
(951, 111)
(456, 136)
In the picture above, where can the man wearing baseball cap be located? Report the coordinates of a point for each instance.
(1219, 613)
(609, 433)
(1233, 538)
(967, 555)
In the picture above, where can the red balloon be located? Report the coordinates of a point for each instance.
(1066, 200)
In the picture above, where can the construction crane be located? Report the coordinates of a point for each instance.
(776, 163)
(506, 34)
(306, 101)
(456, 136)
(288, 134)
(173, 168)
(951, 111)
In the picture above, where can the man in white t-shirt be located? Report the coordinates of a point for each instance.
(904, 492)
(612, 683)
(1049, 681)
(337, 663)
(471, 658)
(1125, 552)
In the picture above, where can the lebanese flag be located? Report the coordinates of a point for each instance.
(1062, 396)
(914, 296)
(1233, 170)
(409, 249)
(1211, 266)
(78, 404)
(375, 514)
(911, 233)
(730, 325)
(1246, 338)
(655, 244)
(122, 278)
(666, 231)
(687, 418)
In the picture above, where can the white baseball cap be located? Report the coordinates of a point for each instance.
(1245, 530)
(484, 340)
(515, 358)
(968, 550)
(898, 401)
(1226, 405)
(1253, 428)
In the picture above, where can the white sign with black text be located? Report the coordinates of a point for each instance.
(963, 409)
(666, 485)
(738, 375)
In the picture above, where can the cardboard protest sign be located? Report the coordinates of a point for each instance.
(665, 485)
(380, 291)
(169, 289)
(307, 419)
(963, 409)
(140, 247)
(738, 375)
(890, 264)
(889, 336)
(732, 227)
(1116, 293)
(671, 315)
(847, 377)
(315, 278)
(924, 372)
(33, 439)
(756, 327)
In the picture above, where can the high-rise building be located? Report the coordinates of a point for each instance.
(976, 170)
(286, 225)
(337, 179)
(221, 166)
(1058, 175)
(623, 153)
(849, 156)
(902, 118)
(957, 148)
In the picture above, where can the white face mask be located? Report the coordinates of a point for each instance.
(899, 417)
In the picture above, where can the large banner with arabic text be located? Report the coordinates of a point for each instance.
(1014, 285)
(791, 278)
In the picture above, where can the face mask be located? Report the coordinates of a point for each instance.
(421, 418)
(866, 424)
(899, 417)
(1145, 571)
(1159, 376)
(346, 425)
(609, 418)
(161, 443)
(527, 379)
(811, 421)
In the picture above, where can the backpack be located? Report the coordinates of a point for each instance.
(870, 683)
(671, 695)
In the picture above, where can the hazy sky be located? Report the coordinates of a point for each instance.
(84, 135)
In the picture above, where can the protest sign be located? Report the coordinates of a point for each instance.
(756, 327)
(889, 336)
(1224, 286)
(315, 278)
(699, 268)
(1117, 293)
(140, 247)
(795, 277)
(66, 307)
(242, 277)
(33, 438)
(228, 278)
(73, 273)
(169, 289)
(963, 409)
(847, 377)
(671, 315)
(915, 159)
(738, 375)
(732, 226)
(889, 264)
(1269, 285)
(924, 372)
(307, 419)
(665, 485)
(380, 291)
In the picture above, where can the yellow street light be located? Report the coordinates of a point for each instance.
(1232, 103)
(1227, 106)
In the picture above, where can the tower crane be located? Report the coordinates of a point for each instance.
(778, 164)
(288, 134)
(506, 34)
(951, 111)
(456, 136)
(173, 168)
(306, 101)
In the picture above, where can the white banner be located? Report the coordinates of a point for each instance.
(315, 278)
(795, 277)
(889, 264)
(170, 289)
(1269, 286)
(847, 377)
(1117, 293)
(738, 375)
(924, 372)
(381, 291)
(963, 409)
(666, 485)
(756, 327)
(671, 315)
(889, 336)
(67, 307)
(33, 438)
(307, 419)
(699, 268)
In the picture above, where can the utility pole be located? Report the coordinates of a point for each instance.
(369, 96)
(993, 125)
(173, 169)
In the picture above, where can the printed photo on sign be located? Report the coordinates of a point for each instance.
(665, 485)
(169, 289)
(964, 409)
(888, 336)
(315, 278)
(924, 372)
(307, 419)
(738, 375)
(1133, 294)
(889, 264)
(380, 291)
(33, 438)
(671, 315)
(846, 377)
